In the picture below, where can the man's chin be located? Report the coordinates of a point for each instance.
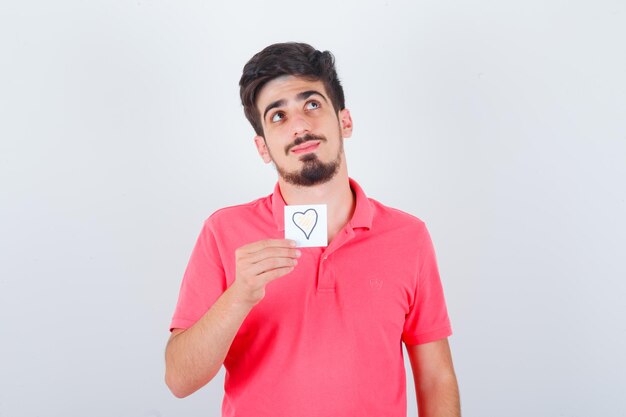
(309, 157)
(311, 175)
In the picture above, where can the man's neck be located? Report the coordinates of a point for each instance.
(336, 194)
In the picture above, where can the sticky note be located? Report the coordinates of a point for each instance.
(307, 225)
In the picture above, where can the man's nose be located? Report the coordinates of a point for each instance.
(300, 125)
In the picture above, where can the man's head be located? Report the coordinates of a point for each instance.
(294, 101)
(296, 59)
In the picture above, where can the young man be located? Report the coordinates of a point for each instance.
(313, 331)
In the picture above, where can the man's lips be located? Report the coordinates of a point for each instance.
(308, 146)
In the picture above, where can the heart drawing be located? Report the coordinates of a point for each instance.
(305, 221)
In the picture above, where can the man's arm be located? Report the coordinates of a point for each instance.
(194, 356)
(435, 381)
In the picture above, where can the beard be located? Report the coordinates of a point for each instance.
(313, 171)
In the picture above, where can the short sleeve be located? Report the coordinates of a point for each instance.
(203, 282)
(428, 319)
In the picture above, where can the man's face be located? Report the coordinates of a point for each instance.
(303, 133)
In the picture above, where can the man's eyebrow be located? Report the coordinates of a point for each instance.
(306, 94)
(273, 105)
(300, 96)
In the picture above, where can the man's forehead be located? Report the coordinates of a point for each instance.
(287, 87)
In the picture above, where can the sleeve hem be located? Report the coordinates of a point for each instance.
(428, 337)
(181, 324)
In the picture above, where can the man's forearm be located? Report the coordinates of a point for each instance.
(439, 398)
(193, 357)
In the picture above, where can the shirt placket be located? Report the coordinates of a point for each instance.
(327, 279)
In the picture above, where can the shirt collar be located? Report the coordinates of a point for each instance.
(362, 216)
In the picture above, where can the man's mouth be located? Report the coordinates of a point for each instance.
(308, 146)
(304, 144)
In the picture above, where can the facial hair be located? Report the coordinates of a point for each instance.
(313, 171)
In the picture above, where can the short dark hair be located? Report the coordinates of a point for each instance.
(291, 58)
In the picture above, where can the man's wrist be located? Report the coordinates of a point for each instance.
(237, 301)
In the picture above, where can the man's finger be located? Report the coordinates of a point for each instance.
(275, 273)
(270, 264)
(267, 243)
(274, 252)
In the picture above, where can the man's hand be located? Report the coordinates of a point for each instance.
(259, 263)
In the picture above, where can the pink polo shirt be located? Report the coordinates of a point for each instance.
(326, 339)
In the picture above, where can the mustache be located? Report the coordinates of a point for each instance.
(300, 140)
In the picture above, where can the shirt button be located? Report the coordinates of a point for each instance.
(325, 257)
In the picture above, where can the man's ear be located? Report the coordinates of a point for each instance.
(261, 147)
(346, 123)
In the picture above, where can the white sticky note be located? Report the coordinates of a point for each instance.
(307, 225)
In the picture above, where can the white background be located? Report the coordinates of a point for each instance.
(501, 124)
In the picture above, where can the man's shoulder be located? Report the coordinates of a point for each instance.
(402, 227)
(240, 212)
(389, 216)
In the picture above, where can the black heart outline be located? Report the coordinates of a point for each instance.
(293, 219)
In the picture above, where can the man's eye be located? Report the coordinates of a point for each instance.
(312, 105)
(277, 117)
